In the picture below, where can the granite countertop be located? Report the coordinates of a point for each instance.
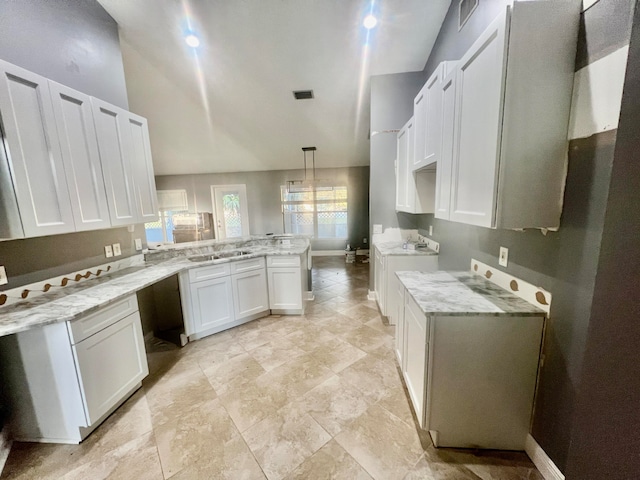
(76, 300)
(395, 248)
(463, 294)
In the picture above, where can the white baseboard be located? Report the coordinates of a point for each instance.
(5, 446)
(308, 296)
(541, 460)
(371, 295)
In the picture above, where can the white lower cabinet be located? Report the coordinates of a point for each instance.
(64, 379)
(218, 297)
(471, 379)
(250, 293)
(285, 284)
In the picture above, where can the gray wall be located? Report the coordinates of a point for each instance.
(75, 43)
(605, 440)
(565, 262)
(263, 197)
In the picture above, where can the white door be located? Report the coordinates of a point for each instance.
(110, 364)
(33, 152)
(415, 357)
(144, 183)
(427, 110)
(212, 303)
(285, 291)
(230, 211)
(82, 166)
(115, 146)
(479, 91)
(250, 293)
(443, 172)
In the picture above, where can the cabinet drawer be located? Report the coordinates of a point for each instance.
(283, 261)
(247, 265)
(86, 326)
(209, 272)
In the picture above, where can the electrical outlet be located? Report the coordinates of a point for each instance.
(503, 259)
(108, 251)
(116, 250)
(364, 240)
(3, 276)
(430, 230)
(138, 244)
(377, 228)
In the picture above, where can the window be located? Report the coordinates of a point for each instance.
(170, 202)
(321, 213)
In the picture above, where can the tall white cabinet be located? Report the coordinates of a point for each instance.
(512, 104)
(80, 156)
(34, 156)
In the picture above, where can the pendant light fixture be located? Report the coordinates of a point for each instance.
(310, 182)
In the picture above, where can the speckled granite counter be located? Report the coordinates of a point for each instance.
(73, 301)
(395, 248)
(462, 293)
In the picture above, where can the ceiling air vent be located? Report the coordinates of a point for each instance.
(303, 94)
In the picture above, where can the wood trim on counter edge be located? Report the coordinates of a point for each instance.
(541, 460)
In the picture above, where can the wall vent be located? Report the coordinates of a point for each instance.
(303, 94)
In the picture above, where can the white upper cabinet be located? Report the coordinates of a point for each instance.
(443, 172)
(115, 145)
(427, 114)
(81, 159)
(414, 190)
(143, 178)
(33, 153)
(513, 94)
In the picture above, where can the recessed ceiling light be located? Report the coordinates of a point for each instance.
(192, 40)
(369, 22)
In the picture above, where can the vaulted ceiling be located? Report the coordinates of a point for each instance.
(228, 106)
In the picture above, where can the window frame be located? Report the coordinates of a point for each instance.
(284, 189)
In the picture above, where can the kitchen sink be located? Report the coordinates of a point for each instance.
(219, 255)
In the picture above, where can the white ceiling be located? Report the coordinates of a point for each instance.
(232, 109)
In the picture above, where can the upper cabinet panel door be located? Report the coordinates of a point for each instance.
(143, 178)
(479, 91)
(443, 172)
(401, 170)
(426, 112)
(33, 152)
(79, 148)
(115, 146)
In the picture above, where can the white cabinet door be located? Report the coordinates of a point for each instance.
(82, 166)
(415, 357)
(144, 183)
(212, 303)
(479, 91)
(33, 152)
(401, 170)
(380, 279)
(110, 364)
(250, 293)
(426, 112)
(285, 288)
(398, 292)
(115, 146)
(443, 172)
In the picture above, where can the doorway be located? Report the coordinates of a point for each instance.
(231, 213)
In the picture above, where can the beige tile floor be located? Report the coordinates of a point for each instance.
(311, 397)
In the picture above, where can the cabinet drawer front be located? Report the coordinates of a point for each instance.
(85, 327)
(207, 273)
(247, 265)
(110, 364)
(283, 261)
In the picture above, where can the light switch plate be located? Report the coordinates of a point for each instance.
(3, 276)
(430, 230)
(108, 251)
(377, 228)
(116, 250)
(138, 244)
(503, 259)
